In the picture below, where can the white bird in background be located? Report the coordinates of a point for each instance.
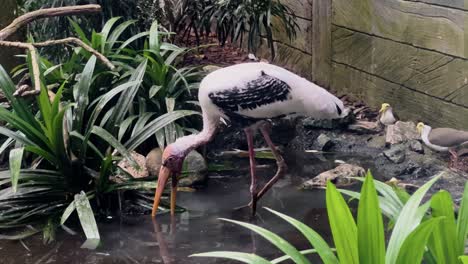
(443, 139)
(246, 95)
(386, 115)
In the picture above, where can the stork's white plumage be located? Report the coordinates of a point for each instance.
(245, 95)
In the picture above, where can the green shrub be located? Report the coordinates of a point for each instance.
(416, 234)
(97, 117)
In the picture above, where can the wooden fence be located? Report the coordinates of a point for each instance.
(412, 54)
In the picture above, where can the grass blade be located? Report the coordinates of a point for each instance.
(286, 257)
(371, 240)
(463, 259)
(406, 222)
(276, 240)
(443, 241)
(81, 94)
(239, 256)
(152, 127)
(68, 211)
(319, 244)
(87, 221)
(412, 249)
(16, 157)
(106, 136)
(342, 225)
(462, 222)
(126, 98)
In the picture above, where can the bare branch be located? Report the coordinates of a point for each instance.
(48, 12)
(77, 42)
(34, 61)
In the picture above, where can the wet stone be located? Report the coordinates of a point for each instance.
(416, 146)
(153, 161)
(395, 154)
(324, 142)
(195, 169)
(364, 127)
(401, 132)
(340, 176)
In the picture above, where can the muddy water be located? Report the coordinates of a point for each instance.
(141, 240)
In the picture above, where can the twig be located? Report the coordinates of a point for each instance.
(77, 42)
(47, 12)
(34, 62)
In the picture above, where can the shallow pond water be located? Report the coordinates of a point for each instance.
(142, 240)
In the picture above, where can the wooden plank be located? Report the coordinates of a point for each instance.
(419, 24)
(409, 105)
(459, 4)
(321, 41)
(430, 72)
(290, 58)
(303, 38)
(300, 8)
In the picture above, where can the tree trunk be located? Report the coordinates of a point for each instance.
(7, 13)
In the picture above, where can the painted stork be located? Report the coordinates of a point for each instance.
(248, 95)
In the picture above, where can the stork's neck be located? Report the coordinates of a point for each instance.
(188, 143)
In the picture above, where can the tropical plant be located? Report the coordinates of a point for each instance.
(447, 242)
(191, 17)
(255, 19)
(75, 146)
(364, 241)
(166, 85)
(55, 28)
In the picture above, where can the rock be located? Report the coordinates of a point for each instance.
(323, 142)
(377, 142)
(309, 122)
(127, 166)
(365, 127)
(211, 68)
(195, 169)
(153, 161)
(396, 154)
(401, 132)
(416, 146)
(340, 176)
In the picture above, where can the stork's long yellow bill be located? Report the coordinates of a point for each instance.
(163, 176)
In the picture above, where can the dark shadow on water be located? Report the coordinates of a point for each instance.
(165, 240)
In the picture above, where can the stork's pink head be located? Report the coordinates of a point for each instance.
(172, 161)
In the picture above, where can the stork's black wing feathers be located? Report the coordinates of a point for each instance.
(264, 90)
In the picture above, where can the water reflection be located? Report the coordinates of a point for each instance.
(171, 240)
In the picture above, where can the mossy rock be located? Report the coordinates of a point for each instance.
(193, 172)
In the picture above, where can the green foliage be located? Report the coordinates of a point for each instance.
(414, 236)
(57, 27)
(447, 239)
(84, 121)
(236, 19)
(255, 19)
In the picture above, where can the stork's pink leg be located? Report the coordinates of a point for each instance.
(279, 161)
(253, 186)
